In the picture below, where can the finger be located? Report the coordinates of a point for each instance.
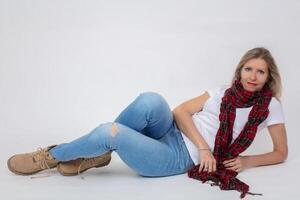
(228, 161)
(235, 168)
(207, 166)
(210, 168)
(215, 167)
(201, 166)
(231, 168)
(230, 164)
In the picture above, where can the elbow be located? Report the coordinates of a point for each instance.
(283, 155)
(175, 112)
(178, 111)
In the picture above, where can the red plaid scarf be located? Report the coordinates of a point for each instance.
(235, 97)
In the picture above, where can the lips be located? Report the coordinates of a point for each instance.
(254, 84)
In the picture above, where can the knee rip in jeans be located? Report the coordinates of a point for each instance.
(114, 129)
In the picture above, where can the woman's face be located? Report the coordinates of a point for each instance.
(254, 74)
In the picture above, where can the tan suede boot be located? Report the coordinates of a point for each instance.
(75, 167)
(30, 163)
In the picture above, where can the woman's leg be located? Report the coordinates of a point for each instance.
(148, 114)
(134, 136)
(144, 135)
(145, 155)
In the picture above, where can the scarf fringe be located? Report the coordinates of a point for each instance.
(251, 193)
(243, 193)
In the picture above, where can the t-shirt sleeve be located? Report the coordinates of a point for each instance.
(217, 90)
(212, 92)
(276, 115)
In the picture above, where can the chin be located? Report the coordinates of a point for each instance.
(251, 89)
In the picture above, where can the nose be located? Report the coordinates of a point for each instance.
(253, 76)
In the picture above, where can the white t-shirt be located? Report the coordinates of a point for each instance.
(207, 120)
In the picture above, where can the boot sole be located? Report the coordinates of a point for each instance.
(21, 173)
(74, 174)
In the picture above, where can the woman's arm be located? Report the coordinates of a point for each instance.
(278, 155)
(183, 117)
(280, 148)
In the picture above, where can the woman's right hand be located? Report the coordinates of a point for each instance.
(207, 161)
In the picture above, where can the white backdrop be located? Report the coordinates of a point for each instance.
(68, 65)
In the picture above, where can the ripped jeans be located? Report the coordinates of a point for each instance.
(144, 135)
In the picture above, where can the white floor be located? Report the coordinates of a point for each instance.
(117, 181)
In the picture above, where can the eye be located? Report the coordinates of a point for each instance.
(247, 69)
(261, 72)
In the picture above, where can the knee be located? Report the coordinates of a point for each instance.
(152, 99)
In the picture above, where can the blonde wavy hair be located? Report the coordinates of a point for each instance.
(274, 79)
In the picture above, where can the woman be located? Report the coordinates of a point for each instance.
(203, 136)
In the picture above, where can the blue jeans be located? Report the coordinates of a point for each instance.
(144, 135)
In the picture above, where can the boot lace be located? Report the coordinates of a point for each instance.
(41, 156)
(85, 161)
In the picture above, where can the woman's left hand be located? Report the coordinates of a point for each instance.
(237, 164)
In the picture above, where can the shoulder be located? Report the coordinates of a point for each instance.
(276, 114)
(217, 91)
(275, 104)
